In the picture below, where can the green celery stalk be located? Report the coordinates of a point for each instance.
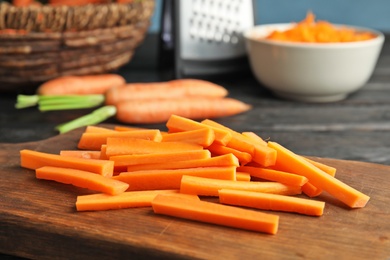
(97, 116)
(23, 101)
(59, 102)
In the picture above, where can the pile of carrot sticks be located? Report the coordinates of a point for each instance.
(173, 171)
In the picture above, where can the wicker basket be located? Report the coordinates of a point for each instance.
(51, 41)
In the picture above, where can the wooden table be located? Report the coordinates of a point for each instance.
(356, 129)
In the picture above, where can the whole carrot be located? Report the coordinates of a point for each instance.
(20, 3)
(81, 85)
(165, 90)
(159, 110)
(76, 2)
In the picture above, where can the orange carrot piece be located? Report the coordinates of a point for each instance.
(243, 176)
(274, 175)
(311, 190)
(183, 195)
(21, 3)
(216, 161)
(179, 88)
(79, 85)
(136, 159)
(209, 187)
(254, 137)
(129, 199)
(94, 141)
(122, 146)
(308, 188)
(203, 136)
(170, 179)
(97, 129)
(264, 155)
(260, 153)
(103, 155)
(238, 141)
(309, 30)
(326, 168)
(75, 2)
(218, 149)
(33, 159)
(215, 213)
(83, 179)
(296, 164)
(127, 128)
(266, 201)
(177, 123)
(153, 111)
(81, 154)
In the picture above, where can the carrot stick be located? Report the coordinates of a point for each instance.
(81, 85)
(170, 179)
(33, 159)
(103, 155)
(311, 190)
(218, 149)
(264, 155)
(135, 159)
(94, 141)
(177, 123)
(127, 128)
(97, 129)
(296, 164)
(81, 154)
(243, 176)
(179, 88)
(238, 141)
(217, 161)
(308, 188)
(274, 175)
(214, 213)
(149, 111)
(123, 146)
(209, 187)
(326, 168)
(260, 153)
(266, 201)
(129, 199)
(203, 136)
(83, 179)
(254, 137)
(330, 170)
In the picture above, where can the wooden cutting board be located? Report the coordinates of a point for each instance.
(38, 220)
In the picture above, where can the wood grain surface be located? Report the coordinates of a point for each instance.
(38, 219)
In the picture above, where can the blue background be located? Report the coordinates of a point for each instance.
(374, 14)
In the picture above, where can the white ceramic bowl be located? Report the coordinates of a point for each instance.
(311, 72)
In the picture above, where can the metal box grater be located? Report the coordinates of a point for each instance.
(206, 35)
